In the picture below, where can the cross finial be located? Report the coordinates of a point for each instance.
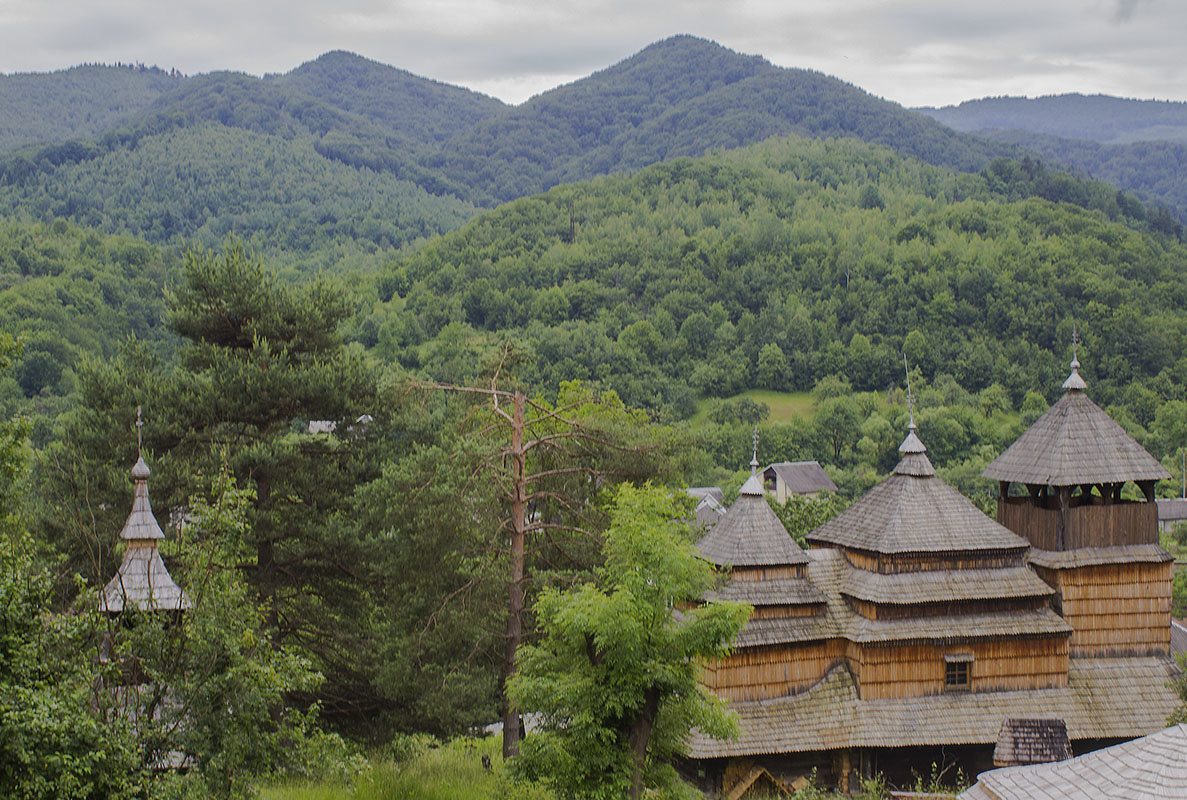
(754, 456)
(910, 398)
(1075, 342)
(139, 436)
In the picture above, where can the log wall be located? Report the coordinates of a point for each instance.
(1115, 609)
(897, 563)
(897, 671)
(1086, 526)
(760, 673)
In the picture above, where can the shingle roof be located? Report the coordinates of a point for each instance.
(1075, 442)
(750, 534)
(943, 586)
(1032, 741)
(774, 592)
(142, 577)
(701, 492)
(912, 511)
(1153, 767)
(830, 573)
(1107, 698)
(1095, 556)
(144, 581)
(802, 477)
(141, 524)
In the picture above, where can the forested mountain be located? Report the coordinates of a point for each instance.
(76, 103)
(1154, 172)
(1098, 118)
(1139, 146)
(680, 97)
(69, 293)
(407, 106)
(428, 144)
(784, 263)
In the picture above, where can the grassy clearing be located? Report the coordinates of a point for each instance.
(452, 771)
(784, 405)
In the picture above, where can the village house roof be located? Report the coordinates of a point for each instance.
(800, 477)
(1075, 443)
(750, 535)
(912, 511)
(1172, 509)
(142, 578)
(1153, 767)
(1107, 698)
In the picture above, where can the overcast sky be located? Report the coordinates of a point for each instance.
(916, 52)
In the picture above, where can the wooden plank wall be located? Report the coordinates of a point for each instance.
(768, 573)
(760, 673)
(1087, 526)
(1116, 609)
(897, 671)
(895, 564)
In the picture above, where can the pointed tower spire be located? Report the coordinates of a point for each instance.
(142, 577)
(914, 461)
(754, 456)
(1074, 381)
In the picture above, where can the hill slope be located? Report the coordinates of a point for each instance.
(76, 103)
(788, 261)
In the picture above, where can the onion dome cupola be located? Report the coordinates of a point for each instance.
(142, 578)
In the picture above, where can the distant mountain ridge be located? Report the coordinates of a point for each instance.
(1098, 118)
(439, 152)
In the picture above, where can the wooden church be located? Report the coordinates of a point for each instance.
(916, 630)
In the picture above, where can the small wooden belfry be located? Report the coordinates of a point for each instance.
(1096, 548)
(142, 579)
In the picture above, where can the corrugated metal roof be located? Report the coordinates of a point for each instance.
(1107, 698)
(801, 477)
(1172, 509)
(1153, 767)
(1075, 442)
(750, 534)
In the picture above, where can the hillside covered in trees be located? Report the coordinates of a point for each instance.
(396, 157)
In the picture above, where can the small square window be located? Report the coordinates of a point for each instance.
(956, 671)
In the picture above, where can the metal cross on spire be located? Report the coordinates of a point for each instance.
(1075, 343)
(754, 456)
(139, 436)
(910, 398)
(1074, 381)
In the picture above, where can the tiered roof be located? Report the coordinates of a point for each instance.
(1075, 443)
(142, 578)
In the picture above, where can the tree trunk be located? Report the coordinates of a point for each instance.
(640, 736)
(519, 504)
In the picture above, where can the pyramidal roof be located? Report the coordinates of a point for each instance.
(1075, 442)
(913, 511)
(750, 535)
(142, 578)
